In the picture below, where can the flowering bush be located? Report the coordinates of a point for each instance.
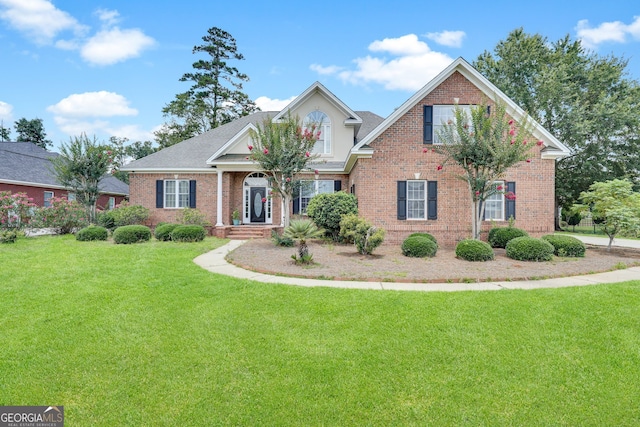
(63, 216)
(15, 210)
(192, 216)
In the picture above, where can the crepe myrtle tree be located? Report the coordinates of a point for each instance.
(484, 145)
(283, 149)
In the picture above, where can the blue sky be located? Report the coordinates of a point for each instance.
(107, 68)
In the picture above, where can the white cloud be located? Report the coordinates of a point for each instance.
(93, 104)
(114, 45)
(6, 111)
(323, 71)
(268, 104)
(108, 17)
(39, 19)
(413, 66)
(447, 38)
(616, 32)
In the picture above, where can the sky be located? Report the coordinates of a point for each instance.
(107, 68)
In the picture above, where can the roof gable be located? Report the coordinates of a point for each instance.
(554, 148)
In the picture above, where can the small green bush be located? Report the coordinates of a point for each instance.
(192, 216)
(281, 240)
(474, 250)
(8, 236)
(327, 210)
(163, 231)
(500, 236)
(131, 234)
(566, 246)
(365, 236)
(529, 249)
(188, 233)
(427, 235)
(107, 220)
(92, 232)
(419, 246)
(127, 214)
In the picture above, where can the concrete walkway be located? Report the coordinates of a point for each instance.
(214, 261)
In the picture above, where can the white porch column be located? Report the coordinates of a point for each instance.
(219, 222)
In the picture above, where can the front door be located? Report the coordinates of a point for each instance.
(257, 211)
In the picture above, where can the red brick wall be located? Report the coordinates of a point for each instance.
(399, 155)
(37, 194)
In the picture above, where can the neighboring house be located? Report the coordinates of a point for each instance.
(26, 168)
(381, 161)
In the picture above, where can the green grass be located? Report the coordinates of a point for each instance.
(139, 335)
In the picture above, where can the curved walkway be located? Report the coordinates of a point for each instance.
(215, 261)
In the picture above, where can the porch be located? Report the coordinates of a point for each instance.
(245, 231)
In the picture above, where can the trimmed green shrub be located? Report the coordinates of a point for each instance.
(474, 250)
(529, 249)
(419, 246)
(427, 235)
(365, 236)
(8, 236)
(163, 231)
(566, 246)
(188, 233)
(107, 220)
(327, 209)
(500, 236)
(281, 240)
(92, 232)
(131, 234)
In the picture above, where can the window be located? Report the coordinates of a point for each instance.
(48, 195)
(176, 194)
(71, 197)
(494, 204)
(441, 116)
(308, 189)
(112, 203)
(416, 199)
(323, 144)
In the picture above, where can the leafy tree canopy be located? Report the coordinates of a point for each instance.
(585, 100)
(32, 131)
(216, 95)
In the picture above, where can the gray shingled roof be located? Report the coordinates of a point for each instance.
(28, 163)
(193, 153)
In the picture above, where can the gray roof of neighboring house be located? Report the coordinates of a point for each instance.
(28, 163)
(194, 152)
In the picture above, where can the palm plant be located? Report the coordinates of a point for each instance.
(301, 231)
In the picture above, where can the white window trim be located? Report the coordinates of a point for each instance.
(502, 201)
(176, 193)
(315, 191)
(424, 200)
(440, 122)
(325, 132)
(49, 199)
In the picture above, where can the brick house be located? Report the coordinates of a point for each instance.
(26, 168)
(379, 160)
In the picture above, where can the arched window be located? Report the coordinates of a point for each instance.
(320, 119)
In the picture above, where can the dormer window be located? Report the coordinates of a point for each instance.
(320, 119)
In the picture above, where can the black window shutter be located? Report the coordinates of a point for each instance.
(159, 193)
(192, 193)
(510, 205)
(337, 185)
(432, 199)
(427, 124)
(353, 189)
(402, 200)
(488, 110)
(296, 205)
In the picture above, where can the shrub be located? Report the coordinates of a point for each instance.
(566, 246)
(8, 236)
(364, 235)
(188, 233)
(327, 210)
(126, 214)
(474, 250)
(280, 240)
(419, 246)
(191, 216)
(131, 234)
(15, 210)
(107, 219)
(500, 236)
(427, 235)
(63, 216)
(529, 249)
(163, 231)
(92, 232)
(303, 230)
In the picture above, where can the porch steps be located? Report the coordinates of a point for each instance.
(245, 233)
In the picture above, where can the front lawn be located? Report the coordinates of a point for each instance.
(139, 335)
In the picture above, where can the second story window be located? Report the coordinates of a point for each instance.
(320, 119)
